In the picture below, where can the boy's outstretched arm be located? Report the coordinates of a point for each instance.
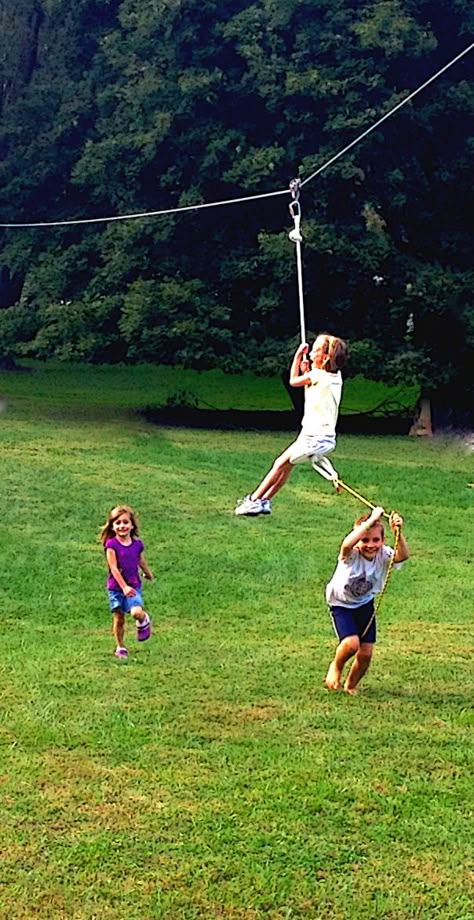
(358, 532)
(402, 552)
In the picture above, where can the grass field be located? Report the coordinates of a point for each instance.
(87, 390)
(213, 776)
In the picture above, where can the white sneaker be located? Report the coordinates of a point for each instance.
(266, 506)
(249, 506)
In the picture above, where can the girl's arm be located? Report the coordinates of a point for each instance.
(145, 568)
(358, 532)
(402, 552)
(299, 376)
(111, 557)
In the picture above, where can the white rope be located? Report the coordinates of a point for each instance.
(214, 204)
(299, 267)
(324, 466)
(295, 237)
(387, 115)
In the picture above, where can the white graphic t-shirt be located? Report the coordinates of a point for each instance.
(356, 579)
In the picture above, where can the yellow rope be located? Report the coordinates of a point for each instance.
(389, 569)
(385, 582)
(365, 501)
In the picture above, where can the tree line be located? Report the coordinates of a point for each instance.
(119, 106)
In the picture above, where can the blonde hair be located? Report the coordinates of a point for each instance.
(365, 517)
(107, 530)
(335, 351)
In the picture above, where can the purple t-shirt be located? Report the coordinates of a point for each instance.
(127, 562)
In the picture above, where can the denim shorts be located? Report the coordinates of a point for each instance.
(118, 600)
(352, 621)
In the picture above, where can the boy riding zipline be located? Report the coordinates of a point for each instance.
(323, 390)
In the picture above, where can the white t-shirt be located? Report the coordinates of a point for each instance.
(356, 579)
(321, 405)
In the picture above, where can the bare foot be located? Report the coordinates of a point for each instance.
(352, 690)
(337, 486)
(333, 677)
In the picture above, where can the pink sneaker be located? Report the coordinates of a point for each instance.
(144, 629)
(121, 652)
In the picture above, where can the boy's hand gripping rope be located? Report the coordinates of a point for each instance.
(296, 237)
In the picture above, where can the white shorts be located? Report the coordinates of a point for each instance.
(310, 447)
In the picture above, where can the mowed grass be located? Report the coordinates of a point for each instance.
(213, 776)
(85, 390)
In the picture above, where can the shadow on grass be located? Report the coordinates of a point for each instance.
(266, 420)
(421, 696)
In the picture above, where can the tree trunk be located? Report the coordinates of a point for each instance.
(422, 426)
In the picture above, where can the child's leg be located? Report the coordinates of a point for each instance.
(118, 627)
(346, 649)
(359, 666)
(138, 613)
(143, 622)
(275, 478)
(278, 482)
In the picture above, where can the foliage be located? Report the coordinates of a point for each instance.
(18, 324)
(173, 321)
(80, 330)
(122, 106)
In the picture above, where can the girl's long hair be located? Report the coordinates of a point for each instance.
(107, 530)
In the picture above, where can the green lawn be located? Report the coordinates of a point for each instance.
(213, 776)
(88, 389)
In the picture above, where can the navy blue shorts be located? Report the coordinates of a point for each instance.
(352, 621)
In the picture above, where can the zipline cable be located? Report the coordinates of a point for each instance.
(387, 115)
(103, 220)
(297, 184)
(215, 204)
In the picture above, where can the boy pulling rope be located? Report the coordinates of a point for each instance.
(362, 571)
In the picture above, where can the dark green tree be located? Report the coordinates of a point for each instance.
(126, 106)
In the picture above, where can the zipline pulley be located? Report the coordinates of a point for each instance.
(295, 211)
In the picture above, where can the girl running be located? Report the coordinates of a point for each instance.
(125, 560)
